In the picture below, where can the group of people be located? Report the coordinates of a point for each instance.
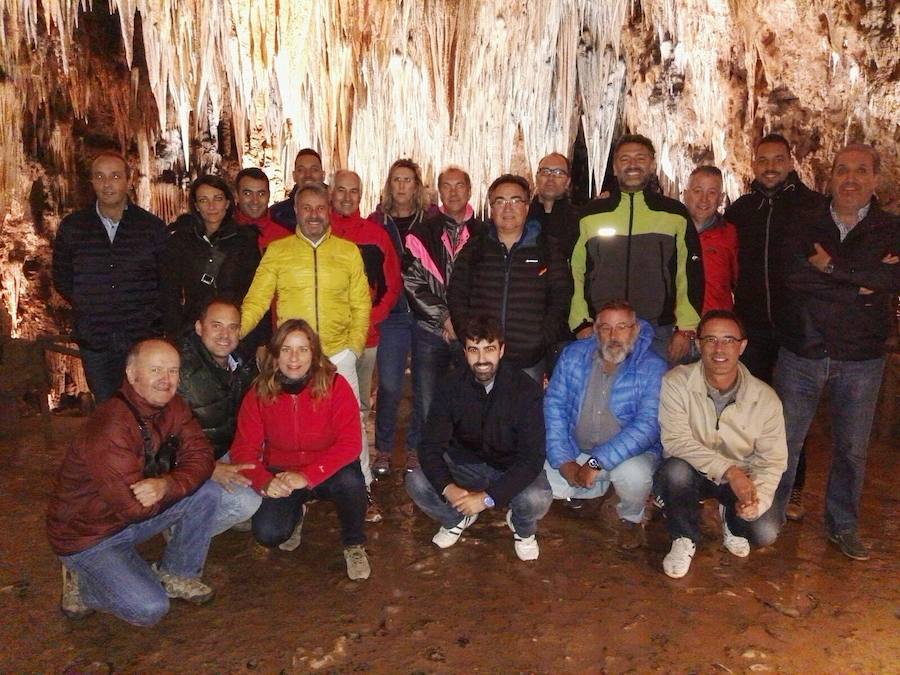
(664, 349)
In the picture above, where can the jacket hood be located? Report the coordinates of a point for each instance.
(643, 343)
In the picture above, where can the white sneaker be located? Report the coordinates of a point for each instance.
(357, 563)
(678, 561)
(446, 538)
(293, 542)
(738, 546)
(526, 547)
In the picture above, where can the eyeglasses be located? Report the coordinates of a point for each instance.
(500, 202)
(217, 199)
(546, 172)
(714, 340)
(618, 328)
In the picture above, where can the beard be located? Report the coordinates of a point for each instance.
(616, 351)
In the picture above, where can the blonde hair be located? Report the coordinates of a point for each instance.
(420, 199)
(321, 370)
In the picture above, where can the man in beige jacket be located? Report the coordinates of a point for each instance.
(723, 437)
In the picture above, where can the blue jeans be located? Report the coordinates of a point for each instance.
(633, 480)
(114, 578)
(104, 369)
(528, 507)
(236, 506)
(681, 487)
(853, 392)
(432, 358)
(393, 351)
(276, 519)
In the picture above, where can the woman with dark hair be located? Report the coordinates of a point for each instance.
(404, 203)
(299, 426)
(207, 255)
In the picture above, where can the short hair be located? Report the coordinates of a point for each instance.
(138, 347)
(510, 178)
(860, 147)
(482, 327)
(773, 138)
(218, 300)
(250, 172)
(212, 181)
(615, 305)
(706, 170)
(307, 151)
(112, 154)
(420, 199)
(640, 139)
(317, 188)
(725, 314)
(453, 167)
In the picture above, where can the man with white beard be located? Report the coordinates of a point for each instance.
(601, 415)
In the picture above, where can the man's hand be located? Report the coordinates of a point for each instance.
(742, 486)
(453, 493)
(679, 346)
(569, 471)
(229, 476)
(470, 503)
(587, 331)
(820, 258)
(448, 332)
(586, 476)
(150, 490)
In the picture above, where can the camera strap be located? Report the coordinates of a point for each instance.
(154, 463)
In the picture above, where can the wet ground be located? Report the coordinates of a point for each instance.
(584, 606)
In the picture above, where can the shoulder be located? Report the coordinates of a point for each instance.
(677, 377)
(658, 202)
(136, 214)
(600, 205)
(651, 363)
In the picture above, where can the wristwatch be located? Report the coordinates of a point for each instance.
(489, 501)
(594, 464)
(829, 267)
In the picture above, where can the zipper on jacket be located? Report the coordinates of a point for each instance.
(766, 262)
(719, 416)
(628, 246)
(316, 285)
(507, 265)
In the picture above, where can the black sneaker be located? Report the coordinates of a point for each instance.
(850, 545)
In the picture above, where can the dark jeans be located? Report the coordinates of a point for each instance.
(105, 369)
(432, 359)
(527, 507)
(393, 349)
(113, 577)
(681, 487)
(276, 519)
(853, 392)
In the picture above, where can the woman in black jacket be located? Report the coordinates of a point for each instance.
(207, 255)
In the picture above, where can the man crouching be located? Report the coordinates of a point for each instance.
(138, 466)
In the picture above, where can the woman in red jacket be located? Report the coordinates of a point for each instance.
(299, 425)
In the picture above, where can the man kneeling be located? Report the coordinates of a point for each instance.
(723, 437)
(483, 446)
(139, 466)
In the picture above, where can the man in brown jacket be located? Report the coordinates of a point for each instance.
(119, 485)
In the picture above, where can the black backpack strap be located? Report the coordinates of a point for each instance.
(157, 461)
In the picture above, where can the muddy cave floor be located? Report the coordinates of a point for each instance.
(584, 606)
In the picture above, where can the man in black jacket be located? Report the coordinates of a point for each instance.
(483, 446)
(841, 272)
(513, 272)
(213, 381)
(551, 205)
(106, 264)
(776, 200)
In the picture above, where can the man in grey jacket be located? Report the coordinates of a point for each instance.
(723, 437)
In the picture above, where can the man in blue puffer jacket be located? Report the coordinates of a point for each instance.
(601, 412)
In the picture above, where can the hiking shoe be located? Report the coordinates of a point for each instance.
(735, 545)
(678, 560)
(243, 526)
(382, 464)
(794, 510)
(850, 545)
(184, 588)
(446, 538)
(631, 535)
(71, 604)
(357, 562)
(373, 511)
(526, 547)
(412, 460)
(292, 542)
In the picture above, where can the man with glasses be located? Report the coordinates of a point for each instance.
(551, 205)
(514, 273)
(601, 414)
(723, 437)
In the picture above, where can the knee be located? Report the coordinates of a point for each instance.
(150, 612)
(349, 479)
(633, 476)
(246, 503)
(535, 500)
(765, 530)
(207, 496)
(674, 474)
(417, 485)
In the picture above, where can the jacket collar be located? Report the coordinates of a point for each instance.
(470, 213)
(529, 233)
(144, 407)
(790, 185)
(746, 390)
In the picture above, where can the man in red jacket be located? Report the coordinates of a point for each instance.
(252, 188)
(383, 272)
(119, 486)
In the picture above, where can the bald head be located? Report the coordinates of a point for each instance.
(551, 180)
(152, 370)
(346, 192)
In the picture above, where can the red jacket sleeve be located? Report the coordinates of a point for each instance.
(248, 441)
(348, 434)
(391, 278)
